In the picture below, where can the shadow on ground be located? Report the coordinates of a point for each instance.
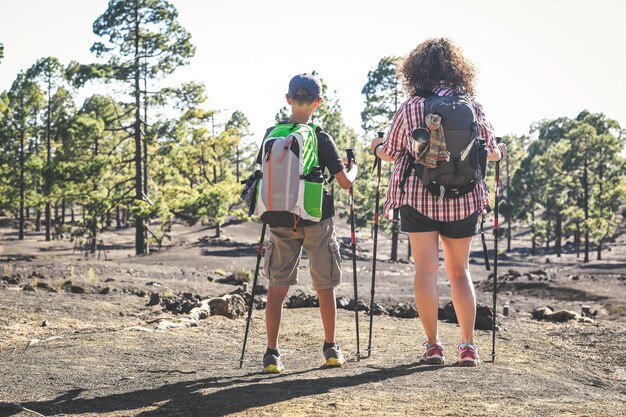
(229, 394)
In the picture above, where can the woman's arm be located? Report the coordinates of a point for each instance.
(394, 143)
(378, 151)
(485, 130)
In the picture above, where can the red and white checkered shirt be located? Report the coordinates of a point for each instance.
(398, 143)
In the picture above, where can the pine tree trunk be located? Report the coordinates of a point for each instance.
(586, 188)
(237, 164)
(118, 218)
(139, 221)
(394, 235)
(577, 243)
(22, 186)
(558, 233)
(533, 249)
(48, 160)
(408, 249)
(63, 211)
(93, 227)
(218, 230)
(38, 220)
(599, 257)
(508, 205)
(72, 215)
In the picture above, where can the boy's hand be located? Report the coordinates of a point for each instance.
(349, 167)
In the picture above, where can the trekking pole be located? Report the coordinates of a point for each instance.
(350, 157)
(484, 241)
(377, 166)
(495, 261)
(251, 302)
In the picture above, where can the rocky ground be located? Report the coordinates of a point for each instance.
(152, 336)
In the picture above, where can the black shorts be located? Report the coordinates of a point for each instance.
(412, 221)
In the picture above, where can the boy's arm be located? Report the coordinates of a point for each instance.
(344, 178)
(329, 155)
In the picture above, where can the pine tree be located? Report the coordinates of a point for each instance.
(144, 41)
(22, 104)
(383, 96)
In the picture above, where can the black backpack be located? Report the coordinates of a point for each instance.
(468, 155)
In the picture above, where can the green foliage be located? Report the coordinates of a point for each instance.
(162, 44)
(568, 178)
(21, 164)
(572, 176)
(383, 95)
(212, 204)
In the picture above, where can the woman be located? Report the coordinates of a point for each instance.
(437, 67)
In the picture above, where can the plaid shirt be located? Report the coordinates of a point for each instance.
(398, 143)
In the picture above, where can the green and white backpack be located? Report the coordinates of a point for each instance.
(291, 180)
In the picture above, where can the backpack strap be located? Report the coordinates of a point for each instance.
(408, 170)
(316, 128)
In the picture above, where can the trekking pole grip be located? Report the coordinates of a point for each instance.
(350, 156)
(376, 158)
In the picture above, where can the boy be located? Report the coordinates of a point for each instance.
(289, 234)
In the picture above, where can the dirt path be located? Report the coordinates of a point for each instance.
(99, 354)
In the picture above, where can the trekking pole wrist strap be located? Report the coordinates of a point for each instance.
(376, 150)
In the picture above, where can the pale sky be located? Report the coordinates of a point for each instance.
(536, 59)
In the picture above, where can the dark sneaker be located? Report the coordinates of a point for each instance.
(272, 364)
(334, 357)
(433, 354)
(469, 354)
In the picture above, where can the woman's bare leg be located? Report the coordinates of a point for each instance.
(456, 262)
(425, 249)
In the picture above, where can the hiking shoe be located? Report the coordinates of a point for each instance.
(433, 354)
(334, 357)
(469, 354)
(272, 364)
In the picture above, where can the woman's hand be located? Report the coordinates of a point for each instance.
(500, 153)
(375, 143)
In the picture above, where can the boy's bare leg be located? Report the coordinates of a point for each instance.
(274, 313)
(328, 311)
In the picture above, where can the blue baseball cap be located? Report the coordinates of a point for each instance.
(305, 87)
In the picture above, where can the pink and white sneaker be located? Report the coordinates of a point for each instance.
(469, 354)
(433, 354)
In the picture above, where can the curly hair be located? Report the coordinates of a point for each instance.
(435, 60)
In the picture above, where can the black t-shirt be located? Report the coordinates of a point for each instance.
(329, 159)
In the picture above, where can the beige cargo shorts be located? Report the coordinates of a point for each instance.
(283, 251)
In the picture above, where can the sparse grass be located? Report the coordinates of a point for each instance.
(243, 275)
(71, 271)
(59, 286)
(91, 275)
(8, 269)
(168, 294)
(221, 272)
